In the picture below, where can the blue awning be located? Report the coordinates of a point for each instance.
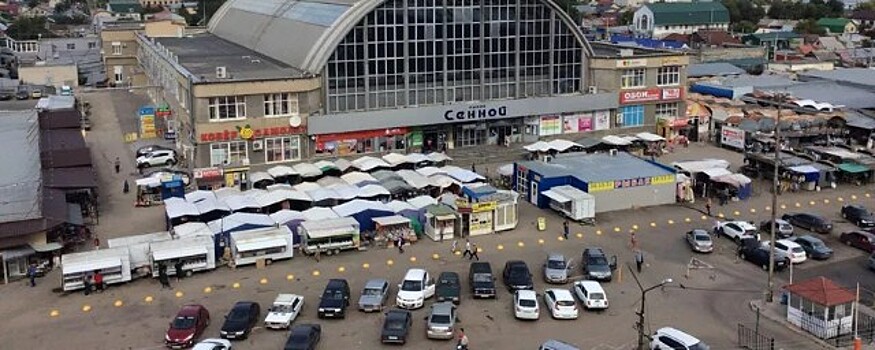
(712, 90)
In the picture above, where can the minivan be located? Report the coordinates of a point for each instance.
(481, 280)
(417, 286)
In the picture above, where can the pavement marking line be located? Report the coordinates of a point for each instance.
(412, 259)
(316, 273)
(208, 290)
(118, 303)
(86, 308)
(341, 269)
(179, 294)
(54, 313)
(236, 285)
(290, 277)
(263, 280)
(366, 266)
(148, 299)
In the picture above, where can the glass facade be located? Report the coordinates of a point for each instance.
(424, 52)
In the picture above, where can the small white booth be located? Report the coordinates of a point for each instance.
(269, 244)
(113, 263)
(196, 254)
(821, 307)
(572, 203)
(139, 248)
(440, 222)
(329, 236)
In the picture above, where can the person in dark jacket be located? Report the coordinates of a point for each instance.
(31, 273)
(178, 269)
(163, 278)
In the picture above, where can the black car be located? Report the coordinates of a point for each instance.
(814, 247)
(596, 265)
(22, 95)
(334, 299)
(811, 222)
(858, 215)
(142, 151)
(448, 287)
(6, 96)
(240, 320)
(396, 326)
(481, 280)
(751, 250)
(517, 276)
(304, 337)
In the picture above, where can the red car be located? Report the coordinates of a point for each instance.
(188, 325)
(859, 239)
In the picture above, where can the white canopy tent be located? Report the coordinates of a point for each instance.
(421, 201)
(616, 140)
(240, 202)
(649, 137)
(178, 207)
(371, 191)
(462, 175)
(368, 163)
(414, 179)
(561, 145)
(319, 213)
(193, 196)
(192, 229)
(438, 157)
(430, 170)
(395, 159)
(281, 170)
(539, 146)
(307, 170)
(259, 176)
(284, 216)
(359, 178)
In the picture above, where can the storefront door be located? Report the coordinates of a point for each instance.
(470, 135)
(534, 193)
(434, 141)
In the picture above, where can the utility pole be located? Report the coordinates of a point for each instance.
(770, 292)
(640, 313)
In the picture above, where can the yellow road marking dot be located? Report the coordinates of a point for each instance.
(148, 299)
(179, 294)
(316, 273)
(704, 217)
(840, 199)
(520, 244)
(366, 266)
(290, 277)
(868, 195)
(826, 201)
(457, 253)
(412, 259)
(798, 205)
(768, 208)
(236, 285)
(263, 281)
(479, 250)
(208, 290)
(853, 196)
(616, 229)
(671, 222)
(118, 303)
(54, 313)
(753, 210)
(811, 202)
(500, 247)
(652, 224)
(86, 308)
(435, 256)
(579, 235)
(560, 238)
(341, 269)
(634, 227)
(783, 206)
(720, 215)
(540, 241)
(390, 262)
(687, 220)
(736, 213)
(598, 232)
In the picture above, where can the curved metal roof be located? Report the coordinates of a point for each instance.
(304, 33)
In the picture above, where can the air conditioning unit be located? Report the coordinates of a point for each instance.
(221, 72)
(257, 145)
(593, 90)
(613, 152)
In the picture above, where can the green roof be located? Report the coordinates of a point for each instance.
(853, 168)
(124, 6)
(688, 13)
(834, 25)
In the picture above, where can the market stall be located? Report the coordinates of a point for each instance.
(374, 193)
(805, 176)
(114, 264)
(148, 191)
(572, 203)
(440, 222)
(329, 236)
(284, 175)
(211, 208)
(260, 179)
(328, 168)
(359, 179)
(194, 253)
(740, 186)
(177, 211)
(139, 248)
(389, 228)
(363, 212)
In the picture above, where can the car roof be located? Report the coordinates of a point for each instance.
(809, 238)
(336, 283)
(414, 274)
(397, 313)
(865, 233)
(527, 294)
(561, 294)
(243, 304)
(303, 328)
(442, 308)
(593, 251)
(743, 224)
(788, 243)
(679, 335)
(446, 275)
(556, 256)
(376, 283)
(517, 263)
(591, 285)
(190, 310)
(700, 231)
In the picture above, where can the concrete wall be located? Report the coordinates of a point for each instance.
(56, 76)
(165, 28)
(627, 198)
(708, 54)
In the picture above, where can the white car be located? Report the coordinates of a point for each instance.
(213, 344)
(737, 230)
(561, 303)
(417, 286)
(789, 249)
(591, 295)
(525, 305)
(668, 338)
(155, 158)
(284, 311)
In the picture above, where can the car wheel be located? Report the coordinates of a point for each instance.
(844, 216)
(188, 273)
(848, 243)
(268, 261)
(169, 162)
(737, 240)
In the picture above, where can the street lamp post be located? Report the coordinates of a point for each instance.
(640, 312)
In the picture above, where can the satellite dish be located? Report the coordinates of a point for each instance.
(295, 121)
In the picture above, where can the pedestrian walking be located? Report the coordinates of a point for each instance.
(118, 165)
(127, 187)
(96, 242)
(463, 339)
(708, 206)
(177, 269)
(442, 232)
(639, 260)
(400, 243)
(163, 278)
(467, 252)
(473, 167)
(455, 246)
(318, 254)
(31, 273)
(565, 229)
(474, 253)
(87, 283)
(98, 281)
(633, 241)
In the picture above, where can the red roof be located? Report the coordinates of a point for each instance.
(822, 291)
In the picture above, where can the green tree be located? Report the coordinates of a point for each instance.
(626, 17)
(744, 27)
(743, 10)
(809, 26)
(28, 28)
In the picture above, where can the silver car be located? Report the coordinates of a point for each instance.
(441, 321)
(556, 268)
(700, 241)
(374, 295)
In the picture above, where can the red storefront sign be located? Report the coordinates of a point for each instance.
(246, 133)
(207, 173)
(358, 135)
(636, 96)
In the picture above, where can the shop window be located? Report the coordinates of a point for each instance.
(280, 105)
(227, 108)
(282, 149)
(632, 116)
(224, 153)
(632, 78)
(667, 110)
(668, 75)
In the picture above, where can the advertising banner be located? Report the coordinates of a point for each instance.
(636, 96)
(577, 123)
(602, 120)
(147, 122)
(550, 125)
(732, 137)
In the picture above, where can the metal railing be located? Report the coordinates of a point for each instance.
(753, 339)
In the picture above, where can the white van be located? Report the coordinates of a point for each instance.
(591, 295)
(270, 244)
(417, 286)
(140, 249)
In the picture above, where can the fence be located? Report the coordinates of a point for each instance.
(752, 339)
(865, 330)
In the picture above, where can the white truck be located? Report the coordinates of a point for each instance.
(284, 311)
(139, 247)
(196, 254)
(270, 244)
(114, 264)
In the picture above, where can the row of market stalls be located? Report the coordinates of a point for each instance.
(644, 143)
(710, 178)
(813, 167)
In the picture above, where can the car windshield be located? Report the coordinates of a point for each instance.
(785, 226)
(395, 325)
(449, 281)
(440, 319)
(596, 296)
(817, 244)
(528, 303)
(237, 315)
(482, 277)
(555, 264)
(183, 322)
(565, 302)
(411, 286)
(703, 237)
(333, 295)
(518, 272)
(299, 337)
(700, 346)
(597, 260)
(372, 292)
(797, 250)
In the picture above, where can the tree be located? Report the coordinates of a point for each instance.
(744, 27)
(626, 17)
(743, 10)
(809, 26)
(28, 28)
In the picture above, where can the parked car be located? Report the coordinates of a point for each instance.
(188, 325)
(284, 311)
(596, 265)
(736, 230)
(751, 250)
(700, 241)
(591, 295)
(396, 325)
(811, 222)
(788, 248)
(334, 299)
(516, 275)
(22, 95)
(374, 295)
(783, 230)
(814, 247)
(859, 239)
(213, 344)
(6, 96)
(553, 344)
(240, 320)
(36, 94)
(304, 337)
(481, 280)
(669, 338)
(858, 215)
(142, 151)
(157, 158)
(169, 173)
(417, 286)
(449, 288)
(560, 303)
(556, 268)
(525, 305)
(441, 322)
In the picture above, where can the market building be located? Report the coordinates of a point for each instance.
(660, 19)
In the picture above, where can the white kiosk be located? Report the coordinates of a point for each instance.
(329, 236)
(139, 247)
(196, 253)
(114, 264)
(266, 243)
(440, 222)
(572, 203)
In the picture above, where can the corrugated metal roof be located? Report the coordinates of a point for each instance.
(674, 13)
(598, 167)
(19, 184)
(713, 69)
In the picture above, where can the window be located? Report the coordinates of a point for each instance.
(632, 116)
(669, 75)
(223, 153)
(227, 107)
(666, 110)
(283, 104)
(92, 45)
(118, 75)
(71, 46)
(632, 78)
(282, 149)
(116, 48)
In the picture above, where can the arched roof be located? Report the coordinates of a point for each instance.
(304, 33)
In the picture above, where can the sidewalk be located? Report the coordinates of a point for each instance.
(778, 313)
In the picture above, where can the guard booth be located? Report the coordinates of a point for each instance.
(821, 307)
(440, 222)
